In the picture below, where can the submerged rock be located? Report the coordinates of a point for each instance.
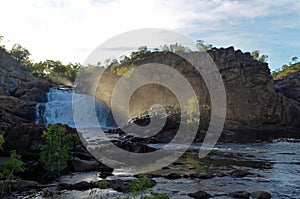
(173, 176)
(202, 175)
(239, 194)
(200, 195)
(239, 173)
(261, 195)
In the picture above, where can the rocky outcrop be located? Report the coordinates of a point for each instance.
(252, 101)
(289, 86)
(254, 106)
(26, 139)
(20, 90)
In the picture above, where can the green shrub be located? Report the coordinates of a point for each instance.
(14, 164)
(285, 71)
(1, 140)
(55, 152)
(102, 184)
(155, 195)
(192, 110)
(140, 185)
(8, 169)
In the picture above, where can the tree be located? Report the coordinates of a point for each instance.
(19, 53)
(55, 153)
(192, 110)
(175, 48)
(294, 59)
(8, 169)
(165, 48)
(263, 58)
(143, 48)
(203, 47)
(1, 39)
(256, 55)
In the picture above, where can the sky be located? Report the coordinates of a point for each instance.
(69, 30)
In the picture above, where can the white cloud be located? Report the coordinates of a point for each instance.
(69, 30)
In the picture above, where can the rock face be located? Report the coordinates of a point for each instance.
(254, 107)
(19, 92)
(253, 103)
(289, 86)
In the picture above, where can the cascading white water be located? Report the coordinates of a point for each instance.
(58, 109)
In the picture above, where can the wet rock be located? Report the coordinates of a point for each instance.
(173, 176)
(261, 195)
(104, 174)
(239, 173)
(50, 192)
(199, 195)
(22, 185)
(126, 185)
(185, 176)
(202, 175)
(64, 186)
(239, 194)
(178, 163)
(80, 165)
(150, 175)
(81, 154)
(220, 174)
(119, 185)
(133, 146)
(82, 186)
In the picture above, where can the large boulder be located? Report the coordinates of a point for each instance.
(16, 107)
(26, 138)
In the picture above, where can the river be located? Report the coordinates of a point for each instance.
(274, 166)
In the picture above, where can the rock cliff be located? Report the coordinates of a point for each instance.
(253, 103)
(19, 92)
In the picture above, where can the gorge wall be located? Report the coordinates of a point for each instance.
(253, 103)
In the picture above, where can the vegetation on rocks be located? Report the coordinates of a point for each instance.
(8, 170)
(286, 70)
(55, 152)
(55, 71)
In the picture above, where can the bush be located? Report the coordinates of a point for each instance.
(55, 153)
(285, 71)
(1, 140)
(14, 164)
(8, 169)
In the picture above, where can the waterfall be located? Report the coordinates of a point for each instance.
(58, 109)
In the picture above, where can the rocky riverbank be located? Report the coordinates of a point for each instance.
(261, 170)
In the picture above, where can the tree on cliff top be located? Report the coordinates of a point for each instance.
(286, 70)
(20, 54)
(262, 58)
